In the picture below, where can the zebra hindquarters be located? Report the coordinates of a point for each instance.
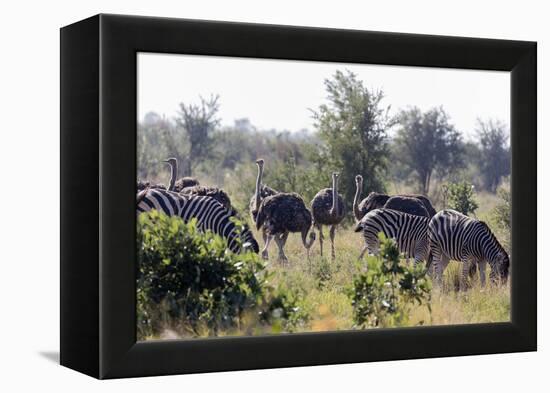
(372, 243)
(421, 252)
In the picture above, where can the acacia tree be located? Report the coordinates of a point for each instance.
(198, 121)
(427, 143)
(494, 161)
(353, 126)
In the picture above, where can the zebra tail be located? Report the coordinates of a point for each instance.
(430, 259)
(141, 195)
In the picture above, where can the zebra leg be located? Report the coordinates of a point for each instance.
(320, 228)
(436, 270)
(332, 234)
(473, 270)
(267, 241)
(363, 251)
(440, 263)
(482, 265)
(466, 267)
(281, 240)
(444, 262)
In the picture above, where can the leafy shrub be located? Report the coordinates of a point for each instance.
(460, 196)
(189, 279)
(283, 311)
(384, 295)
(501, 216)
(502, 212)
(323, 273)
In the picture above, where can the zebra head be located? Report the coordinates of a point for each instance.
(248, 241)
(501, 268)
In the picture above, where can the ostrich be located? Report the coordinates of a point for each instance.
(328, 208)
(142, 185)
(212, 192)
(181, 183)
(407, 204)
(412, 204)
(261, 192)
(191, 186)
(280, 214)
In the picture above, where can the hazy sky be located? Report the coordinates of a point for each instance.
(278, 93)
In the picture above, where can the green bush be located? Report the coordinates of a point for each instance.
(502, 212)
(189, 281)
(384, 295)
(460, 196)
(501, 216)
(283, 311)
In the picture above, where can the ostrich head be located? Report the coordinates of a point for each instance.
(358, 179)
(171, 161)
(260, 162)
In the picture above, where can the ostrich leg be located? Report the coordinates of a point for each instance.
(332, 233)
(281, 240)
(265, 252)
(267, 241)
(320, 228)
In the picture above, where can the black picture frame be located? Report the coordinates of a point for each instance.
(98, 181)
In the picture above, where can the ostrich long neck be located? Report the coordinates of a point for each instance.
(173, 175)
(258, 185)
(356, 199)
(334, 196)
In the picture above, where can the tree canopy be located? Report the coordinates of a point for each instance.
(199, 122)
(353, 126)
(427, 143)
(494, 161)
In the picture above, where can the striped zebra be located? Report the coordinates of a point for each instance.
(210, 215)
(408, 230)
(453, 235)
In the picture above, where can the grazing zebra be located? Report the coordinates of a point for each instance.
(409, 231)
(210, 215)
(453, 235)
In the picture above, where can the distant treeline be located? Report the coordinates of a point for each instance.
(354, 134)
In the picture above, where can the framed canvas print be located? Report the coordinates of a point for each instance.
(240, 196)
